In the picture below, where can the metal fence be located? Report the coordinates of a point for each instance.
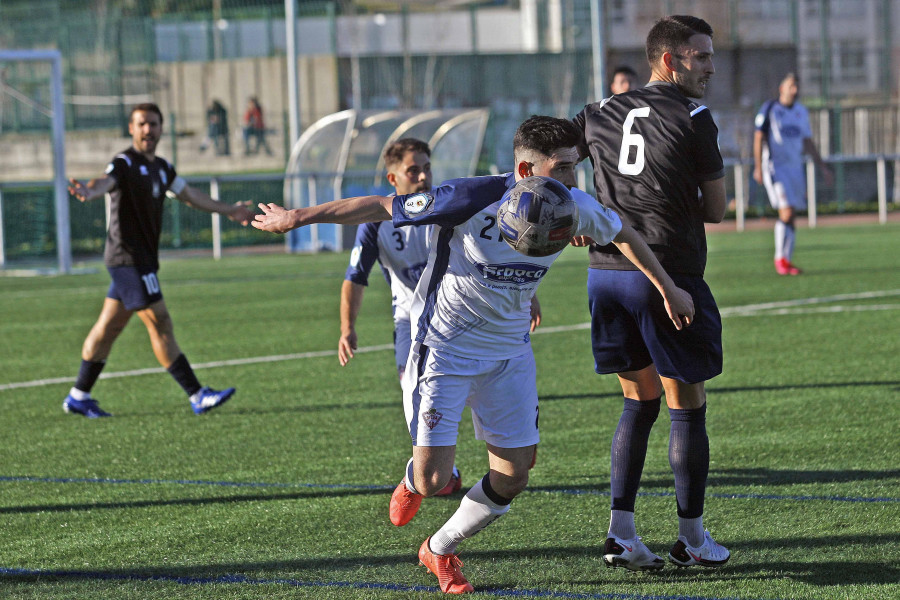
(28, 227)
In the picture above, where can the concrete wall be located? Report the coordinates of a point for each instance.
(184, 90)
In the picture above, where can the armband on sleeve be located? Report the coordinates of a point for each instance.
(178, 185)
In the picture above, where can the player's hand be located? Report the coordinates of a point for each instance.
(579, 241)
(757, 175)
(680, 307)
(535, 313)
(79, 190)
(346, 346)
(241, 212)
(275, 219)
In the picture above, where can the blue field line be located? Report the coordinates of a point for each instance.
(358, 585)
(248, 484)
(351, 486)
(740, 496)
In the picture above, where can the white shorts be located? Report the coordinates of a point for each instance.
(402, 343)
(786, 186)
(501, 393)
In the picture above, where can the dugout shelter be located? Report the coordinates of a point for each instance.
(340, 156)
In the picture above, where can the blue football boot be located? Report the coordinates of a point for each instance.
(87, 407)
(208, 399)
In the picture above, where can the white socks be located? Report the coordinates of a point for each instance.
(621, 525)
(409, 477)
(692, 531)
(79, 395)
(475, 512)
(784, 240)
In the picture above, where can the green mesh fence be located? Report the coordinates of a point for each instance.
(29, 224)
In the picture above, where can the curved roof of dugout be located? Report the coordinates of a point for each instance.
(340, 156)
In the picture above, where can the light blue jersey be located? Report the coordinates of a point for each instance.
(785, 128)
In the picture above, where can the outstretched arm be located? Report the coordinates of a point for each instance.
(93, 189)
(351, 302)
(679, 304)
(198, 199)
(348, 211)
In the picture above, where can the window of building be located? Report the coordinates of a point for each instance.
(765, 9)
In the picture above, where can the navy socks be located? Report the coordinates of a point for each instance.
(689, 458)
(183, 373)
(629, 449)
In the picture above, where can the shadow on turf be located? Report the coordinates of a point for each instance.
(768, 477)
(749, 562)
(311, 493)
(733, 390)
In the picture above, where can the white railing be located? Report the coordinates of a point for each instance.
(741, 171)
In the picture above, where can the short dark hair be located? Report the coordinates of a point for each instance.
(146, 107)
(545, 134)
(624, 69)
(394, 153)
(669, 33)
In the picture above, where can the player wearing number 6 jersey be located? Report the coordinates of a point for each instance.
(652, 149)
(138, 181)
(471, 320)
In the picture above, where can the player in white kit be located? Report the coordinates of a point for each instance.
(471, 322)
(402, 253)
(782, 136)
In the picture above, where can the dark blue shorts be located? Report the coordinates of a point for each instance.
(630, 329)
(135, 287)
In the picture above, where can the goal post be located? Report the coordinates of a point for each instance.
(58, 120)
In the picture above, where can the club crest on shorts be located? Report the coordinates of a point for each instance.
(417, 204)
(432, 417)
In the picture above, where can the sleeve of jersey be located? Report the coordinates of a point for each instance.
(595, 220)
(807, 127)
(451, 203)
(117, 169)
(364, 254)
(580, 120)
(761, 122)
(172, 174)
(707, 158)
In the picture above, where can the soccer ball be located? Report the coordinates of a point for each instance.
(538, 216)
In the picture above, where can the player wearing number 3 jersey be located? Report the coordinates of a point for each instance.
(652, 149)
(471, 319)
(138, 182)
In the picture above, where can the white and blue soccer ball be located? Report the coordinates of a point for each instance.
(537, 216)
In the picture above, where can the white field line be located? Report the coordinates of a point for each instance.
(787, 307)
(209, 365)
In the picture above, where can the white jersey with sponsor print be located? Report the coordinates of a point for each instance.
(474, 298)
(402, 253)
(785, 128)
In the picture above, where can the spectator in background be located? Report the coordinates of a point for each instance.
(216, 129)
(782, 136)
(624, 79)
(255, 127)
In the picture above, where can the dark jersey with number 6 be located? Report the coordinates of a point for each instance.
(136, 209)
(651, 148)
